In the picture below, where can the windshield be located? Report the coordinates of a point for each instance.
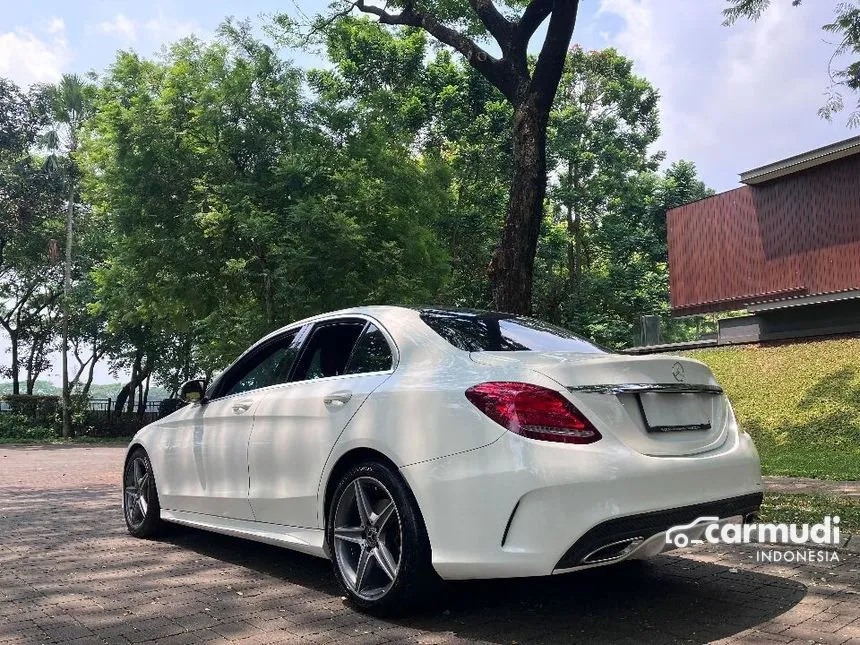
(494, 332)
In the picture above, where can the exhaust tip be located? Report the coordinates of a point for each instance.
(613, 551)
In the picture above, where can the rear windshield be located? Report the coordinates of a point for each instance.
(493, 332)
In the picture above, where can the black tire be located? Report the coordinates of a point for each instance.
(415, 582)
(142, 511)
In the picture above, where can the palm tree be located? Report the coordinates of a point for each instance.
(71, 104)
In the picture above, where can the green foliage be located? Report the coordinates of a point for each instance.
(265, 207)
(602, 260)
(447, 112)
(19, 428)
(800, 402)
(604, 121)
(31, 196)
(226, 193)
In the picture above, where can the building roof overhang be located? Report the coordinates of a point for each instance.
(811, 159)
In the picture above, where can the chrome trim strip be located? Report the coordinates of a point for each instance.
(640, 388)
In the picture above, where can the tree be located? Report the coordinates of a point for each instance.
(530, 89)
(265, 206)
(631, 276)
(455, 122)
(846, 26)
(30, 200)
(71, 104)
(604, 122)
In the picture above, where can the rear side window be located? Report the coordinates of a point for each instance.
(371, 353)
(328, 349)
(495, 332)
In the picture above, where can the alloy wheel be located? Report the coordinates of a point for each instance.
(368, 538)
(136, 496)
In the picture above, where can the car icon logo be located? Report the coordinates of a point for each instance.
(677, 534)
(678, 372)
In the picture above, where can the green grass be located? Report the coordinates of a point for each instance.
(812, 509)
(800, 402)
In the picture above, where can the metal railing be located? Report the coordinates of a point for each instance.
(106, 407)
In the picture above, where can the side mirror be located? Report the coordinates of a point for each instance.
(193, 391)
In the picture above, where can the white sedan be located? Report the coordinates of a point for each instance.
(410, 445)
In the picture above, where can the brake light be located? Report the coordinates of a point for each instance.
(533, 411)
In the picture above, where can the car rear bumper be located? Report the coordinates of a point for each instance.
(520, 507)
(632, 536)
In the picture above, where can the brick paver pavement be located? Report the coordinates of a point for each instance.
(69, 573)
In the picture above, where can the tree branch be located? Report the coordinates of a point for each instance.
(553, 55)
(536, 12)
(499, 27)
(491, 68)
(321, 26)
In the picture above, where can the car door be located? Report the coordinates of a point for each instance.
(297, 424)
(207, 459)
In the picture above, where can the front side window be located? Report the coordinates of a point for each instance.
(328, 349)
(494, 332)
(270, 365)
(371, 353)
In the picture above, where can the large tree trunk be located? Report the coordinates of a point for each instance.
(512, 268)
(85, 392)
(126, 394)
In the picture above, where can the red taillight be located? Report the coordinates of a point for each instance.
(533, 411)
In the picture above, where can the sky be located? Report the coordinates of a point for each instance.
(732, 99)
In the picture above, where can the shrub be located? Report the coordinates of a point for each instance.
(17, 427)
(39, 409)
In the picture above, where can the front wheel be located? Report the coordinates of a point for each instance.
(140, 496)
(379, 547)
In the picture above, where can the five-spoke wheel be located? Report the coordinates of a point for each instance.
(378, 542)
(367, 538)
(140, 497)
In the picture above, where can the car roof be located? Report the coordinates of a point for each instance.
(382, 311)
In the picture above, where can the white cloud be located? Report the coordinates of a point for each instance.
(165, 29)
(120, 26)
(56, 26)
(26, 58)
(732, 98)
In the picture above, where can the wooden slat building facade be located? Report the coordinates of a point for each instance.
(789, 238)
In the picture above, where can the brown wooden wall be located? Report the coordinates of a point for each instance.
(798, 235)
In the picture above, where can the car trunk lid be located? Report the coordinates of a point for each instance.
(656, 405)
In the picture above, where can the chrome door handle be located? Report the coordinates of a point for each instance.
(337, 399)
(241, 407)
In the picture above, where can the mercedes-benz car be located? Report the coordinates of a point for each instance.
(413, 445)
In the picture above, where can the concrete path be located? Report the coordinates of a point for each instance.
(805, 486)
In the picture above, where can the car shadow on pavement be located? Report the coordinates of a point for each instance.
(668, 599)
(69, 569)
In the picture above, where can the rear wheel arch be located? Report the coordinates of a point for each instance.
(344, 463)
(354, 457)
